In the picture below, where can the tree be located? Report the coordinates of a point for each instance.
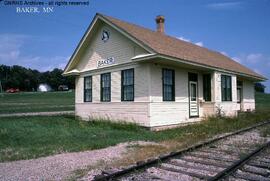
(259, 87)
(28, 79)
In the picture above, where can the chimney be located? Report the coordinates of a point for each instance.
(160, 23)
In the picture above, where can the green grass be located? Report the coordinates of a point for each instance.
(36, 102)
(32, 137)
(262, 101)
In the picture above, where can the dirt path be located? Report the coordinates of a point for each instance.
(61, 166)
(37, 113)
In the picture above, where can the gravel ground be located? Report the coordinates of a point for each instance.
(195, 164)
(61, 166)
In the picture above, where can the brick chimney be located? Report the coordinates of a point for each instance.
(160, 23)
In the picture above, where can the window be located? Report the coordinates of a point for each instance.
(226, 87)
(127, 85)
(207, 87)
(88, 89)
(168, 85)
(105, 87)
(193, 91)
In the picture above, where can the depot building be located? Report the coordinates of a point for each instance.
(125, 72)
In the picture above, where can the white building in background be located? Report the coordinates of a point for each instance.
(129, 73)
(44, 88)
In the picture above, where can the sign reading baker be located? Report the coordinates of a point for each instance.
(105, 62)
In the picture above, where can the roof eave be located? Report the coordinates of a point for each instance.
(189, 62)
(80, 44)
(104, 19)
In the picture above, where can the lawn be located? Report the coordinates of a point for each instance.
(32, 137)
(262, 101)
(36, 102)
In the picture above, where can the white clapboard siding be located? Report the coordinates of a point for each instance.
(228, 108)
(142, 81)
(172, 112)
(129, 111)
(118, 46)
(95, 88)
(148, 108)
(248, 96)
(169, 113)
(116, 86)
(135, 112)
(79, 83)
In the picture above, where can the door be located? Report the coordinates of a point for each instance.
(193, 99)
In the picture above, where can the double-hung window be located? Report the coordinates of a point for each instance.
(127, 85)
(168, 85)
(88, 89)
(226, 88)
(207, 87)
(105, 87)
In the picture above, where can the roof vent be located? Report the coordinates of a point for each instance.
(160, 23)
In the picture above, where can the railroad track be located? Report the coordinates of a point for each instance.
(227, 157)
(254, 166)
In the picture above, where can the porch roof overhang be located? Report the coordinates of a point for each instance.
(164, 59)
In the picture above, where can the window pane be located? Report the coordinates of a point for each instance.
(88, 89)
(105, 87)
(193, 92)
(226, 82)
(128, 85)
(229, 95)
(168, 84)
(207, 87)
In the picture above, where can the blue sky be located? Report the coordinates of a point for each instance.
(239, 29)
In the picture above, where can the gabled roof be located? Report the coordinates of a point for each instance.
(168, 46)
(173, 47)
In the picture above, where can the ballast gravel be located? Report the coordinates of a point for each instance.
(61, 166)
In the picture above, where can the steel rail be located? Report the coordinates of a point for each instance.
(148, 163)
(228, 171)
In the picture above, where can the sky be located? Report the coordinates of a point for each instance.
(239, 29)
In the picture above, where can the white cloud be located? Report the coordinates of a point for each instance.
(257, 71)
(254, 57)
(200, 43)
(184, 39)
(10, 46)
(237, 59)
(257, 62)
(224, 5)
(11, 54)
(224, 53)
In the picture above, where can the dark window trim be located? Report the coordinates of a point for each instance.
(207, 96)
(122, 85)
(226, 78)
(84, 92)
(173, 85)
(101, 89)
